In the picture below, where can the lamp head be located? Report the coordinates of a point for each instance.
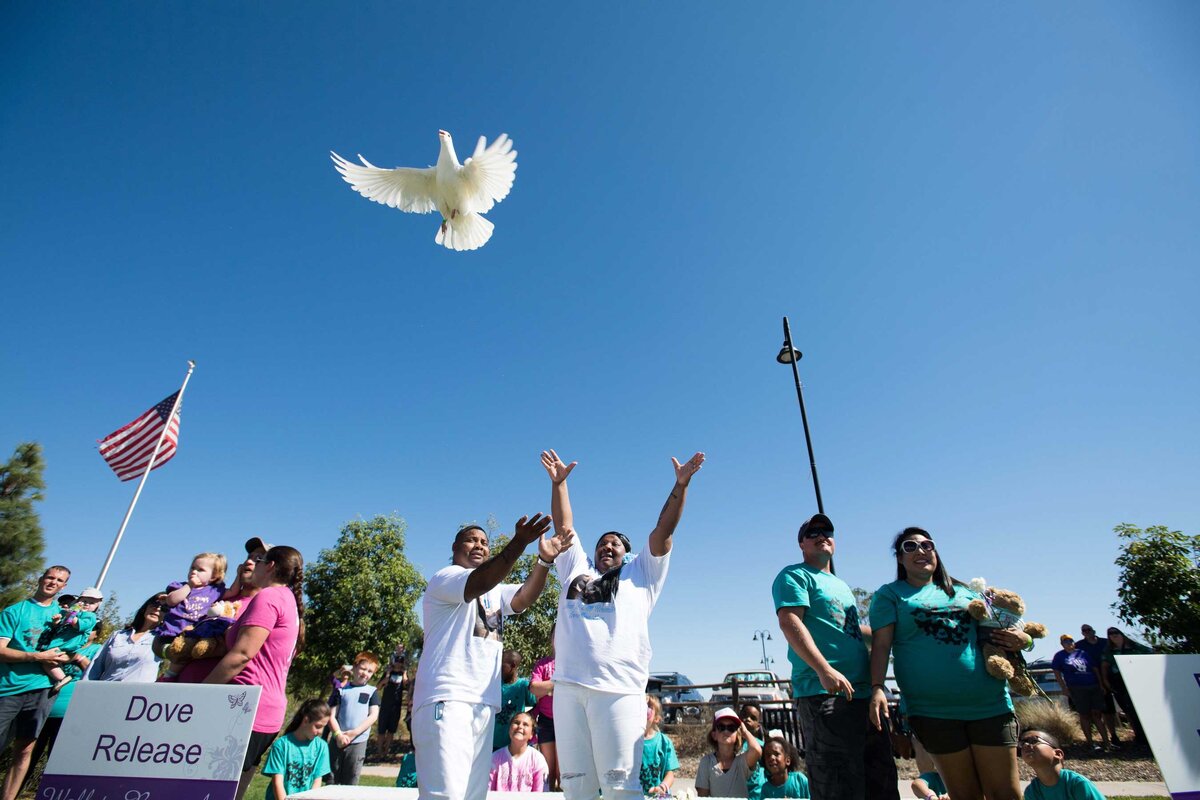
(788, 354)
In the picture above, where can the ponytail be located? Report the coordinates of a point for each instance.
(309, 709)
(289, 571)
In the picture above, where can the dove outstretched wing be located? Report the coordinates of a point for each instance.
(406, 188)
(487, 176)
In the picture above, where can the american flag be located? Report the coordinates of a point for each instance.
(128, 450)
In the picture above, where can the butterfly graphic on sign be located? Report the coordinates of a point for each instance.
(236, 700)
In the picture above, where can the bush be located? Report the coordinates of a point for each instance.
(1051, 717)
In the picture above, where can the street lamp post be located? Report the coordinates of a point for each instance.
(764, 636)
(790, 355)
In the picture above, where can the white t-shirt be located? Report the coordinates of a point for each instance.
(603, 639)
(463, 646)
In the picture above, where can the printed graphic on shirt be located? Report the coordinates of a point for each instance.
(950, 626)
(489, 622)
(300, 772)
(846, 618)
(597, 590)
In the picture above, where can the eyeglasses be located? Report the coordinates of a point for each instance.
(157, 606)
(1029, 744)
(259, 559)
(726, 728)
(818, 534)
(1115, 633)
(912, 546)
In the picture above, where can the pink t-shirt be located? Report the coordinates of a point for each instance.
(197, 670)
(273, 608)
(543, 670)
(526, 773)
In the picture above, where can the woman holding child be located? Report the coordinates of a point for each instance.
(962, 715)
(262, 643)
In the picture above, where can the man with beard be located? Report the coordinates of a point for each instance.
(603, 644)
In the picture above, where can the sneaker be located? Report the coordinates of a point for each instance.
(1097, 748)
(59, 686)
(1114, 746)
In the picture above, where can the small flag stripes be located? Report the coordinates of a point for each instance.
(128, 450)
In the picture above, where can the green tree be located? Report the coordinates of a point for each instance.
(529, 632)
(362, 595)
(21, 542)
(110, 615)
(1159, 585)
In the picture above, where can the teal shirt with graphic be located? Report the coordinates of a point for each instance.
(63, 698)
(407, 777)
(22, 624)
(300, 763)
(70, 639)
(1070, 786)
(831, 616)
(658, 758)
(935, 645)
(514, 698)
(796, 785)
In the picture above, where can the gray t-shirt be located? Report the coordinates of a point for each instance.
(352, 704)
(723, 784)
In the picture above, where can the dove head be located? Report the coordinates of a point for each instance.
(447, 151)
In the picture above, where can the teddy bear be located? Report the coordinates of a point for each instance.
(1000, 608)
(205, 639)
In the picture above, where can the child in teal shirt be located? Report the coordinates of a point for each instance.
(779, 779)
(1041, 751)
(300, 758)
(659, 760)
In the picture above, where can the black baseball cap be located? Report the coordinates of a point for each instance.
(255, 542)
(817, 522)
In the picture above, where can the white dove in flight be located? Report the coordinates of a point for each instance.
(459, 192)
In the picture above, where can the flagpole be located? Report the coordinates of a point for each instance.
(129, 513)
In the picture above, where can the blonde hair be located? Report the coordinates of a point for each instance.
(655, 705)
(218, 562)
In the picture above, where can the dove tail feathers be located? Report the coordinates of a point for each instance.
(465, 232)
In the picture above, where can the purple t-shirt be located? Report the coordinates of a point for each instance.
(273, 608)
(190, 610)
(1076, 667)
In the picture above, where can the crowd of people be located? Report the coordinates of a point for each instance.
(581, 722)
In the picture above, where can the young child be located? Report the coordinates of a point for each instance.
(300, 758)
(68, 631)
(659, 761)
(518, 767)
(929, 784)
(189, 601)
(355, 707)
(780, 779)
(515, 696)
(1042, 752)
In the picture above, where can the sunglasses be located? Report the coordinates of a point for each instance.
(1029, 744)
(911, 546)
(726, 728)
(818, 534)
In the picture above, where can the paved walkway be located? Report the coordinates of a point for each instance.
(1107, 788)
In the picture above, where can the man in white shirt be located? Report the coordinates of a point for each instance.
(602, 644)
(457, 688)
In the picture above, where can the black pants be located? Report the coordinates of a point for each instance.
(1121, 693)
(847, 758)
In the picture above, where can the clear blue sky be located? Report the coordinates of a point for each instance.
(982, 221)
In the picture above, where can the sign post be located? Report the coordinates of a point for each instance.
(1166, 692)
(151, 741)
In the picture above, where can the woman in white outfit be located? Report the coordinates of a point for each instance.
(602, 643)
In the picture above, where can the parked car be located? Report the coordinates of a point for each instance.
(680, 704)
(756, 685)
(1044, 677)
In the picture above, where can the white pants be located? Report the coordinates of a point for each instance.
(599, 737)
(453, 743)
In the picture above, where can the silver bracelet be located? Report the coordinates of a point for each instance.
(546, 564)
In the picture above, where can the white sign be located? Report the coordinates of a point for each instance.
(1166, 692)
(151, 741)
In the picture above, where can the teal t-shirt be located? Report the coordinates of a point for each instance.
(407, 777)
(300, 763)
(514, 698)
(936, 784)
(831, 616)
(796, 785)
(59, 709)
(939, 667)
(658, 758)
(22, 624)
(1070, 786)
(69, 640)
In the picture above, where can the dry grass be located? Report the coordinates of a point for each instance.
(1051, 717)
